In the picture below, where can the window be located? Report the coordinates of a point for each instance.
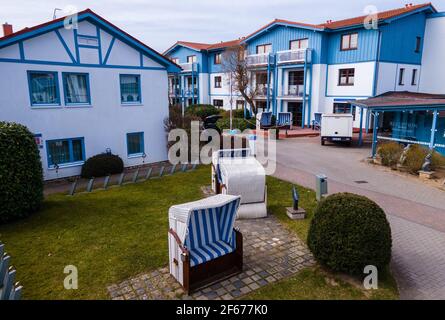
(175, 60)
(76, 88)
(261, 78)
(43, 88)
(349, 41)
(264, 48)
(239, 104)
(344, 108)
(418, 44)
(87, 41)
(346, 77)
(218, 57)
(130, 88)
(191, 59)
(65, 151)
(299, 44)
(401, 76)
(295, 83)
(135, 144)
(218, 103)
(414, 77)
(218, 82)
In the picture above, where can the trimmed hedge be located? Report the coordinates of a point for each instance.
(349, 232)
(202, 110)
(237, 123)
(21, 174)
(102, 165)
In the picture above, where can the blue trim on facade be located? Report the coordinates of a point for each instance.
(68, 51)
(110, 47)
(141, 144)
(99, 43)
(76, 46)
(84, 65)
(64, 75)
(138, 102)
(22, 51)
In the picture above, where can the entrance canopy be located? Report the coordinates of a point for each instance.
(406, 117)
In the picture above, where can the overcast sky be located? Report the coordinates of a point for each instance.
(159, 23)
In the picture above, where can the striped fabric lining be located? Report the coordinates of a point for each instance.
(210, 233)
(284, 118)
(266, 119)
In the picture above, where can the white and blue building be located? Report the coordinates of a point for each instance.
(85, 89)
(310, 69)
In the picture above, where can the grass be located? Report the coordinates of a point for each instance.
(116, 234)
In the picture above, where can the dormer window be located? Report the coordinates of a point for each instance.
(349, 41)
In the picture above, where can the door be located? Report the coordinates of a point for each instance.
(296, 108)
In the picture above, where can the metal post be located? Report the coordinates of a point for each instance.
(90, 185)
(73, 187)
(172, 170)
(148, 174)
(374, 133)
(303, 109)
(433, 129)
(268, 82)
(135, 175)
(121, 179)
(360, 135)
(106, 181)
(161, 171)
(184, 167)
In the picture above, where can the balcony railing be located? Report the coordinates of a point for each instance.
(262, 89)
(257, 59)
(174, 91)
(293, 56)
(188, 67)
(191, 91)
(295, 90)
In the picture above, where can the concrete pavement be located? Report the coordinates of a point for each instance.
(416, 211)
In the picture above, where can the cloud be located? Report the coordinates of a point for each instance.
(161, 23)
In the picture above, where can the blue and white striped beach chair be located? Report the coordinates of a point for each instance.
(266, 120)
(284, 120)
(203, 244)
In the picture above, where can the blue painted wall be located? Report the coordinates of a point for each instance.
(399, 39)
(214, 68)
(182, 53)
(366, 48)
(280, 36)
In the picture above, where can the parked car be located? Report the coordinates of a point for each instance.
(336, 128)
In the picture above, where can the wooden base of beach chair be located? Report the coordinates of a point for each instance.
(213, 271)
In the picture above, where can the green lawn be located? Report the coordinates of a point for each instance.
(115, 234)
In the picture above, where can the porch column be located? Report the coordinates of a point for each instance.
(303, 108)
(433, 129)
(268, 83)
(374, 133)
(360, 134)
(368, 119)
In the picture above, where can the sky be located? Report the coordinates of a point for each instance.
(160, 23)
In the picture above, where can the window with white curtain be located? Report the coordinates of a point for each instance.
(43, 88)
(76, 88)
(65, 151)
(130, 88)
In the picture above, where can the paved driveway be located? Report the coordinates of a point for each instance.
(415, 210)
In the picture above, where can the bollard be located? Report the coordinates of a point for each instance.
(90, 185)
(106, 181)
(73, 188)
(135, 175)
(121, 179)
(148, 174)
(321, 186)
(161, 171)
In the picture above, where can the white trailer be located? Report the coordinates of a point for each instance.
(336, 128)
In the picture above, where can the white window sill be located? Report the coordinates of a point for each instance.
(67, 165)
(129, 104)
(46, 106)
(136, 155)
(80, 105)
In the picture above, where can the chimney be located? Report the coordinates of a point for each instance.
(7, 29)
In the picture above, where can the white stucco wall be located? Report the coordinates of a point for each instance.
(432, 79)
(103, 124)
(363, 82)
(388, 77)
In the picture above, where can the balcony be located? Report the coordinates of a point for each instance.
(257, 59)
(262, 90)
(294, 91)
(191, 91)
(293, 56)
(189, 67)
(174, 91)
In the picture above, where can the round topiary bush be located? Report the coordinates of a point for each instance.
(349, 232)
(21, 175)
(202, 110)
(102, 165)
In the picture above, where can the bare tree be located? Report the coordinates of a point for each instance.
(234, 64)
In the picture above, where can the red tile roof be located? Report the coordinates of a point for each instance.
(403, 98)
(381, 16)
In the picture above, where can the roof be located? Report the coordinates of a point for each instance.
(402, 99)
(384, 15)
(198, 46)
(83, 15)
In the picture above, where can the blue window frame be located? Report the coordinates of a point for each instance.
(76, 88)
(135, 144)
(65, 151)
(130, 85)
(43, 88)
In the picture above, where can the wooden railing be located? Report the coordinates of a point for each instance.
(9, 289)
